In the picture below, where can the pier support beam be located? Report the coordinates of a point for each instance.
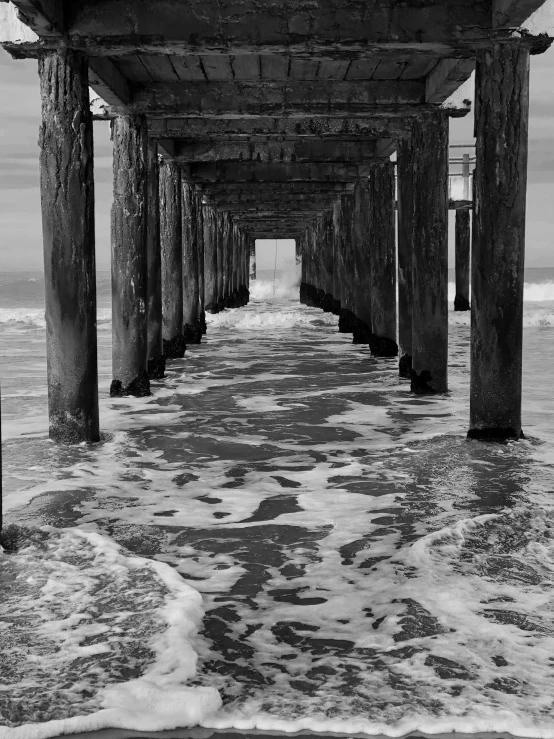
(347, 319)
(199, 227)
(210, 260)
(430, 254)
(382, 257)
(405, 215)
(171, 241)
(67, 196)
(462, 259)
(362, 246)
(220, 275)
(129, 260)
(500, 184)
(192, 329)
(155, 353)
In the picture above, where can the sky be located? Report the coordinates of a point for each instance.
(20, 220)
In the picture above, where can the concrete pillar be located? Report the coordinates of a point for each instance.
(171, 241)
(328, 259)
(129, 260)
(252, 251)
(303, 245)
(347, 319)
(228, 257)
(220, 260)
(405, 214)
(200, 240)
(155, 352)
(245, 267)
(192, 330)
(210, 260)
(382, 257)
(361, 237)
(462, 243)
(430, 254)
(337, 256)
(500, 184)
(67, 196)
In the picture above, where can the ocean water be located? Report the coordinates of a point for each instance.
(281, 538)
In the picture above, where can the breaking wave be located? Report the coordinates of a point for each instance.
(533, 292)
(34, 317)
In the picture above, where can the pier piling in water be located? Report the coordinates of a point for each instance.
(154, 313)
(405, 214)
(192, 328)
(462, 259)
(500, 185)
(67, 198)
(429, 159)
(382, 254)
(171, 241)
(362, 237)
(129, 259)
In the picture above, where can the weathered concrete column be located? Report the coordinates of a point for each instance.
(462, 254)
(337, 255)
(430, 254)
(200, 241)
(228, 257)
(129, 259)
(210, 260)
(302, 245)
(328, 262)
(220, 259)
(171, 241)
(361, 247)
(500, 184)
(192, 330)
(67, 196)
(155, 353)
(405, 214)
(347, 319)
(382, 257)
(245, 268)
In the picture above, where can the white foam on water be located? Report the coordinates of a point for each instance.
(34, 317)
(95, 614)
(357, 557)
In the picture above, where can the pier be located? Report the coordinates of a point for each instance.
(281, 122)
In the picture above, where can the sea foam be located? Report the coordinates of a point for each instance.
(97, 638)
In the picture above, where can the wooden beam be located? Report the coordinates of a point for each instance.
(446, 77)
(236, 23)
(275, 188)
(330, 150)
(44, 17)
(107, 81)
(275, 97)
(275, 172)
(317, 127)
(513, 13)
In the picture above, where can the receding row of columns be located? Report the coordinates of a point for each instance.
(173, 257)
(350, 264)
